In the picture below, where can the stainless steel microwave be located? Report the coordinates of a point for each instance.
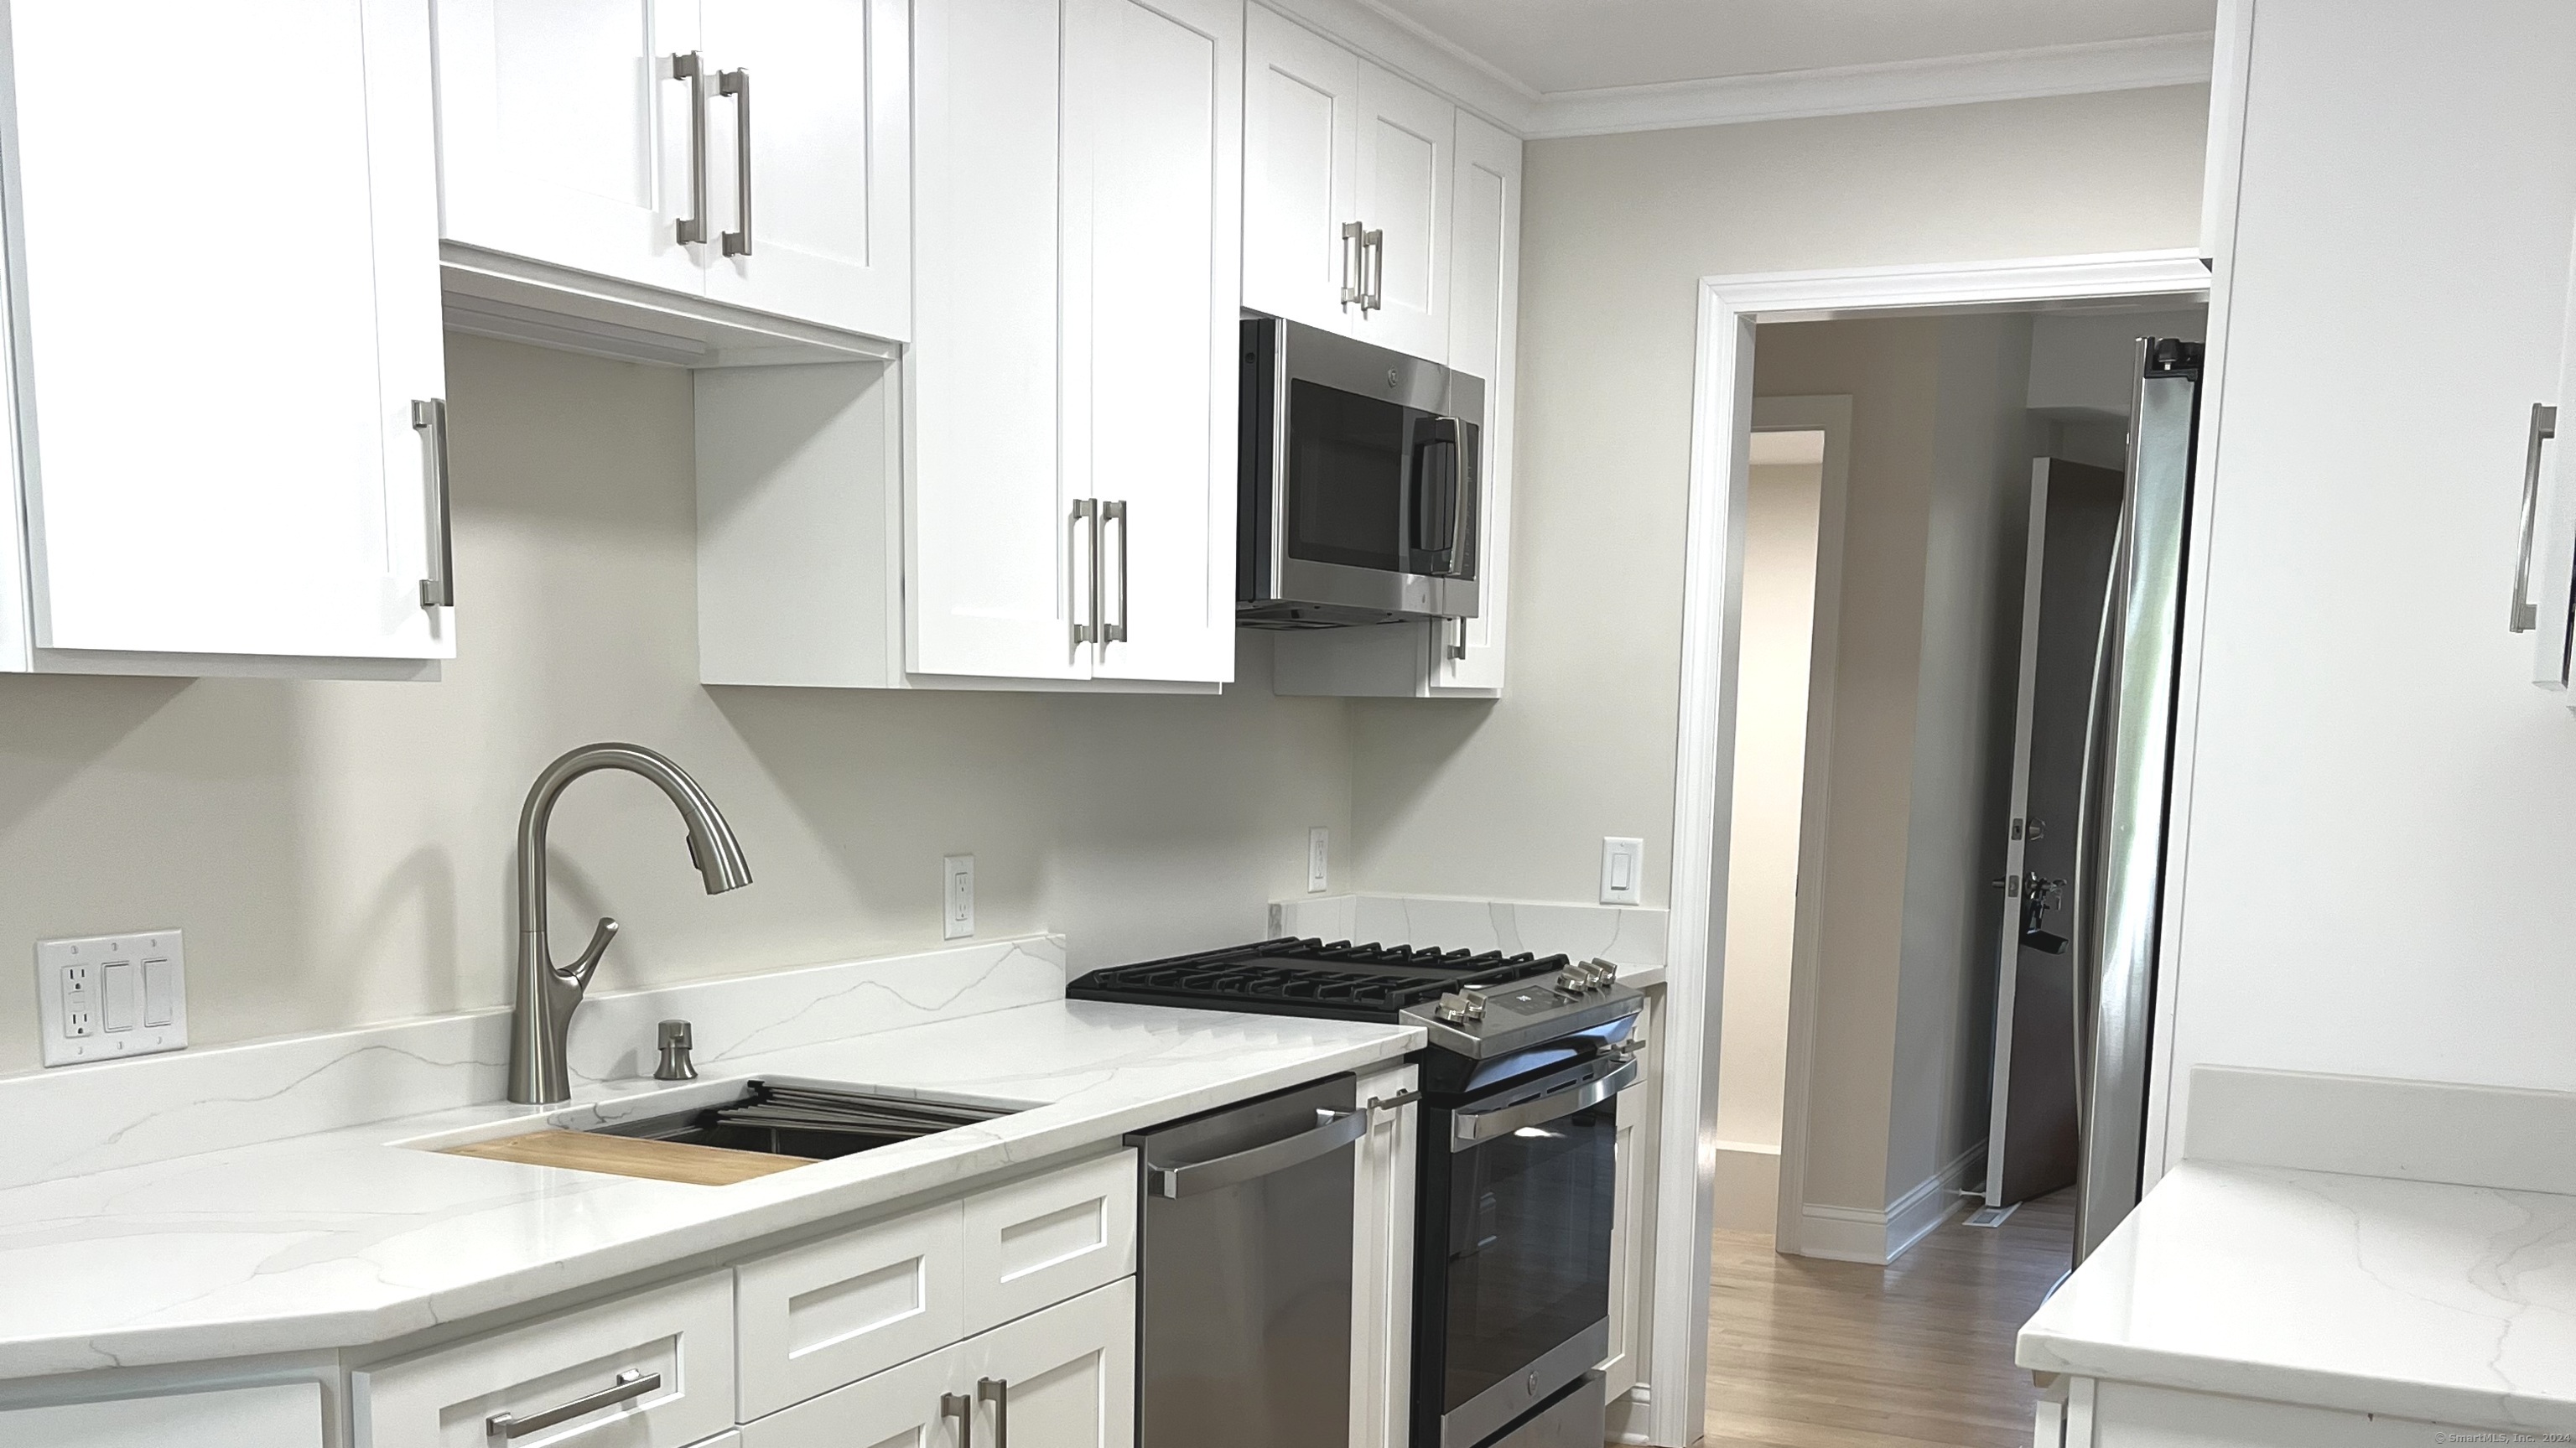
(1362, 482)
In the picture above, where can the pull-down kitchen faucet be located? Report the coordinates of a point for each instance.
(548, 993)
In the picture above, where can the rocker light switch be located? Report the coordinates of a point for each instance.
(1623, 864)
(102, 997)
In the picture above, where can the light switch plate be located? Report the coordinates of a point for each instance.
(104, 997)
(957, 898)
(1623, 868)
(1319, 859)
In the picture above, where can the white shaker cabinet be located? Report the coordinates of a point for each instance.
(1383, 1181)
(1484, 327)
(727, 156)
(248, 493)
(1407, 145)
(1070, 495)
(1347, 191)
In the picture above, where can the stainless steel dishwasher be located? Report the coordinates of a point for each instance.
(1244, 1277)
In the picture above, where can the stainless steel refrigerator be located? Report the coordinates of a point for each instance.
(2123, 805)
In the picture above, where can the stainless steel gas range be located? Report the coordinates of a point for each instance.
(1512, 1249)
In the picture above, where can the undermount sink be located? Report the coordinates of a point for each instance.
(816, 1122)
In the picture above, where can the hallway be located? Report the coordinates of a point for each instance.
(1806, 1353)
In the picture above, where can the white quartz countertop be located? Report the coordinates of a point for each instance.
(2445, 1304)
(345, 1238)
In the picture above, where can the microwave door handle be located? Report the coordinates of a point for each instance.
(1439, 434)
(1462, 464)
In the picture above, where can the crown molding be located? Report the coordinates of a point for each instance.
(2159, 60)
(1407, 48)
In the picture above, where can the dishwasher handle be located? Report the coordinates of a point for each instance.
(1333, 1131)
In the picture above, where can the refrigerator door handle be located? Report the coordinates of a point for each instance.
(2085, 886)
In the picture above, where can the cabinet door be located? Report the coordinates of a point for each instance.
(1408, 143)
(564, 135)
(1484, 310)
(1382, 1264)
(815, 96)
(1301, 111)
(204, 476)
(1152, 247)
(288, 1415)
(996, 574)
(2550, 566)
(1064, 1378)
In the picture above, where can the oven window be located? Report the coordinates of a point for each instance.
(1346, 466)
(1529, 1246)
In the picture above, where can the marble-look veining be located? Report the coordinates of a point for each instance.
(118, 1113)
(1625, 935)
(2411, 1299)
(350, 1236)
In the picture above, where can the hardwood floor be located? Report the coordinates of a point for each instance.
(1805, 1353)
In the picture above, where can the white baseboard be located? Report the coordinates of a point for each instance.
(1857, 1234)
(1628, 1419)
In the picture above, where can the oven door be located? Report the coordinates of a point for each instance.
(1368, 502)
(1514, 1293)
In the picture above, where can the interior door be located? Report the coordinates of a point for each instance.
(1301, 185)
(564, 135)
(1065, 1377)
(996, 574)
(202, 479)
(1483, 335)
(1152, 247)
(2074, 522)
(814, 93)
(1408, 144)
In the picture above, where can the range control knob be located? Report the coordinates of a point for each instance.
(1460, 1008)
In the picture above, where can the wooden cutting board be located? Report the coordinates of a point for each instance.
(669, 1161)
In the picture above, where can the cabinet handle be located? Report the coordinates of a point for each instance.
(2544, 426)
(1086, 510)
(429, 419)
(1373, 244)
(689, 67)
(1115, 512)
(997, 1391)
(631, 1384)
(1352, 260)
(962, 1408)
(1458, 650)
(737, 84)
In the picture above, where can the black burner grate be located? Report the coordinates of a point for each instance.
(1292, 977)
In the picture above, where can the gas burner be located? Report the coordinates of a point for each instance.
(1292, 977)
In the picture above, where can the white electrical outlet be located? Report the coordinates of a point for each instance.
(102, 997)
(1319, 859)
(1623, 869)
(957, 901)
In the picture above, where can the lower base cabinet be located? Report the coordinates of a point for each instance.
(288, 1415)
(2085, 1413)
(1063, 1377)
(1382, 1260)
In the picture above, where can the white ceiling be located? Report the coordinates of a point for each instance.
(1547, 46)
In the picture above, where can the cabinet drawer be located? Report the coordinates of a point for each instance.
(832, 1312)
(679, 1339)
(1037, 1242)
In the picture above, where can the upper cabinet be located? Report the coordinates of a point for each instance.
(1484, 325)
(1065, 417)
(201, 489)
(726, 157)
(1347, 191)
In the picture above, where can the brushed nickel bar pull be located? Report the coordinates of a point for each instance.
(631, 1384)
(689, 67)
(2544, 426)
(737, 84)
(429, 419)
(1373, 244)
(1354, 259)
(1115, 512)
(997, 1391)
(962, 1408)
(1086, 510)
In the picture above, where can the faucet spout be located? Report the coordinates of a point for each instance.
(548, 994)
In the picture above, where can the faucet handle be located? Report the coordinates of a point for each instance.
(579, 972)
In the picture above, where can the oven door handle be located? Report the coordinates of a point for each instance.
(1472, 1128)
(1333, 1131)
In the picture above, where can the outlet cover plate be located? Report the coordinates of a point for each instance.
(1319, 859)
(107, 997)
(957, 897)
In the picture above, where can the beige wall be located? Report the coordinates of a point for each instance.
(341, 852)
(1512, 798)
(1770, 768)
